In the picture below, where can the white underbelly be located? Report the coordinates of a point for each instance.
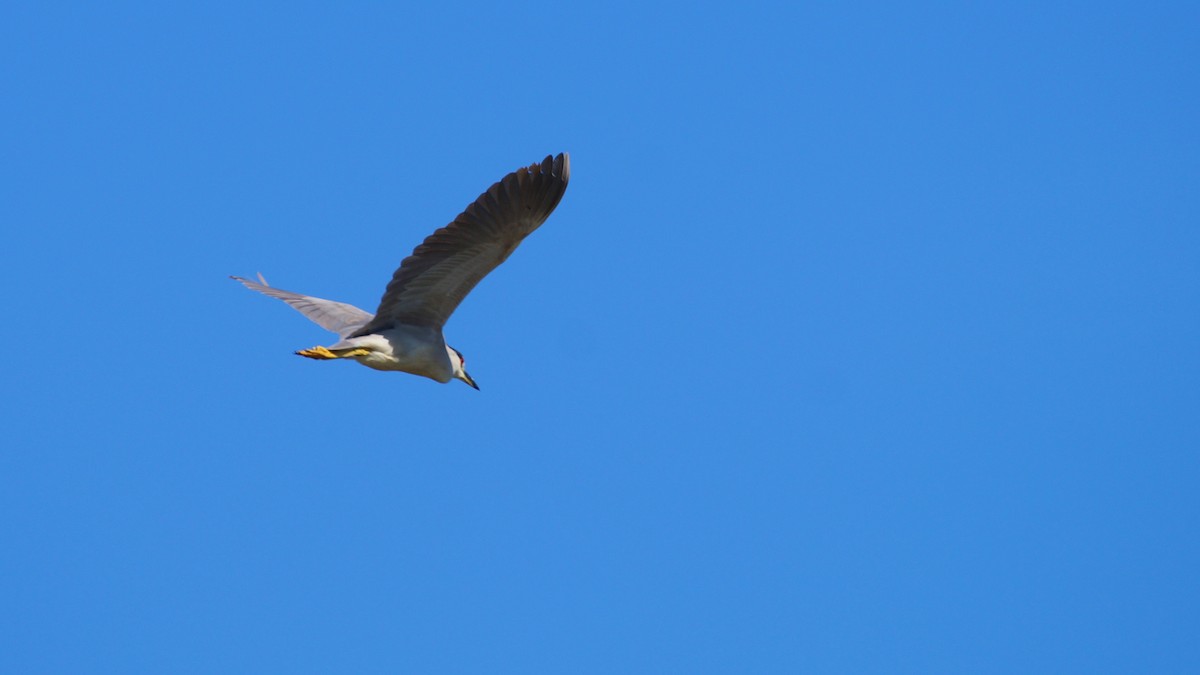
(416, 351)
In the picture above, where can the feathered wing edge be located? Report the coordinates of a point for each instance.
(336, 317)
(430, 283)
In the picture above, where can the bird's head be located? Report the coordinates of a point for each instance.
(460, 367)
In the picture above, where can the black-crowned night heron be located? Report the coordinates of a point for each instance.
(405, 333)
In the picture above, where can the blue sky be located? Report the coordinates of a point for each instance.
(864, 339)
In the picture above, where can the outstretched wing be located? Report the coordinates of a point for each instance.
(337, 317)
(441, 271)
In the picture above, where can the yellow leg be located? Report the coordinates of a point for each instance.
(324, 354)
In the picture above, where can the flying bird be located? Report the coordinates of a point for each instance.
(405, 332)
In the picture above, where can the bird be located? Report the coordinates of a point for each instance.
(405, 332)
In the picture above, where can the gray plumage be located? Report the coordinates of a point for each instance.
(431, 282)
(335, 317)
(405, 333)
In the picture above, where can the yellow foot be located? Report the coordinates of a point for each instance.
(317, 353)
(324, 354)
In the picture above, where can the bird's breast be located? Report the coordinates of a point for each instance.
(416, 350)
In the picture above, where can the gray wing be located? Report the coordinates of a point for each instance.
(441, 271)
(337, 317)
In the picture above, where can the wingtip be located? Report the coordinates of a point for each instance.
(250, 284)
(555, 165)
(564, 169)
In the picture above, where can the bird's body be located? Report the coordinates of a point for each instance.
(405, 333)
(409, 349)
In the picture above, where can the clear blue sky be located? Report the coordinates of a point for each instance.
(864, 340)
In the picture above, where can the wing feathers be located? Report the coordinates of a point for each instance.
(432, 281)
(336, 317)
